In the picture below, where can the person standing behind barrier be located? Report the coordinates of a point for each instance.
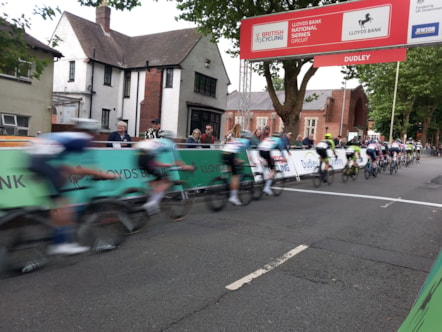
(256, 138)
(235, 132)
(308, 142)
(207, 138)
(265, 133)
(286, 140)
(298, 142)
(193, 141)
(120, 135)
(230, 152)
(155, 131)
(265, 149)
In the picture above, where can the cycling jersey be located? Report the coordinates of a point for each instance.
(48, 149)
(323, 146)
(271, 143)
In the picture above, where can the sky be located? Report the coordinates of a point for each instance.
(154, 17)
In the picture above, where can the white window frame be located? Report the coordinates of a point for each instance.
(240, 120)
(309, 128)
(17, 71)
(261, 122)
(14, 126)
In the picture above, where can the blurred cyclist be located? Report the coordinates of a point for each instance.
(265, 149)
(323, 146)
(153, 154)
(47, 156)
(230, 158)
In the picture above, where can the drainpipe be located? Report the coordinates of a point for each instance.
(92, 86)
(136, 103)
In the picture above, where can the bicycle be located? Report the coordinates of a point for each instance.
(27, 232)
(278, 181)
(369, 169)
(350, 172)
(176, 204)
(219, 189)
(321, 176)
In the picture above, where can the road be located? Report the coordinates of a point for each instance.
(345, 257)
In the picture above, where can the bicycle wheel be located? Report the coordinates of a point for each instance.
(24, 241)
(136, 197)
(218, 194)
(178, 201)
(278, 183)
(317, 178)
(354, 172)
(246, 189)
(105, 224)
(367, 171)
(258, 187)
(346, 173)
(330, 175)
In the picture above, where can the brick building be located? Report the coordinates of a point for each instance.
(336, 111)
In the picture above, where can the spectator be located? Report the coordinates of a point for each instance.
(308, 142)
(235, 132)
(193, 141)
(298, 142)
(266, 133)
(286, 140)
(207, 138)
(120, 135)
(338, 141)
(155, 131)
(256, 138)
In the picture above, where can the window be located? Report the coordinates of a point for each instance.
(205, 85)
(105, 113)
(71, 71)
(127, 76)
(16, 125)
(310, 126)
(107, 75)
(200, 118)
(22, 70)
(241, 121)
(261, 122)
(169, 78)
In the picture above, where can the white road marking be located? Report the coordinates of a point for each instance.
(268, 267)
(382, 198)
(388, 204)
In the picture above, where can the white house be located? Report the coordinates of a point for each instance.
(177, 76)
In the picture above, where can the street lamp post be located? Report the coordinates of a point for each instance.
(343, 108)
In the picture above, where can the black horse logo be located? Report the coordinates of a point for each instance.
(367, 19)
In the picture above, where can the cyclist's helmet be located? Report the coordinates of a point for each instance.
(328, 136)
(246, 134)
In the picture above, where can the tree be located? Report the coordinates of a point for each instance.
(278, 84)
(15, 49)
(221, 18)
(419, 90)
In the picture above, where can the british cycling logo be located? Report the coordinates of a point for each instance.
(310, 160)
(269, 36)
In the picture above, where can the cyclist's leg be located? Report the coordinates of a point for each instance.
(234, 181)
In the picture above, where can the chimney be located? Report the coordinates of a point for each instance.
(102, 16)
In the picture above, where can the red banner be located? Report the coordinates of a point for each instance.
(361, 58)
(350, 26)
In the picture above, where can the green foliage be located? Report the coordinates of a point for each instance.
(419, 90)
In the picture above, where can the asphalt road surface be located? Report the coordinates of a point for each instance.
(345, 257)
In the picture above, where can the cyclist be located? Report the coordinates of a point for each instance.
(46, 158)
(419, 148)
(353, 152)
(395, 149)
(373, 152)
(321, 149)
(409, 150)
(152, 155)
(230, 152)
(265, 148)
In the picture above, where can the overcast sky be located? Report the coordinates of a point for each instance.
(153, 17)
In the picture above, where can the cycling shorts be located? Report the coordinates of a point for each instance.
(40, 165)
(371, 153)
(266, 155)
(229, 159)
(322, 152)
(146, 161)
(393, 150)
